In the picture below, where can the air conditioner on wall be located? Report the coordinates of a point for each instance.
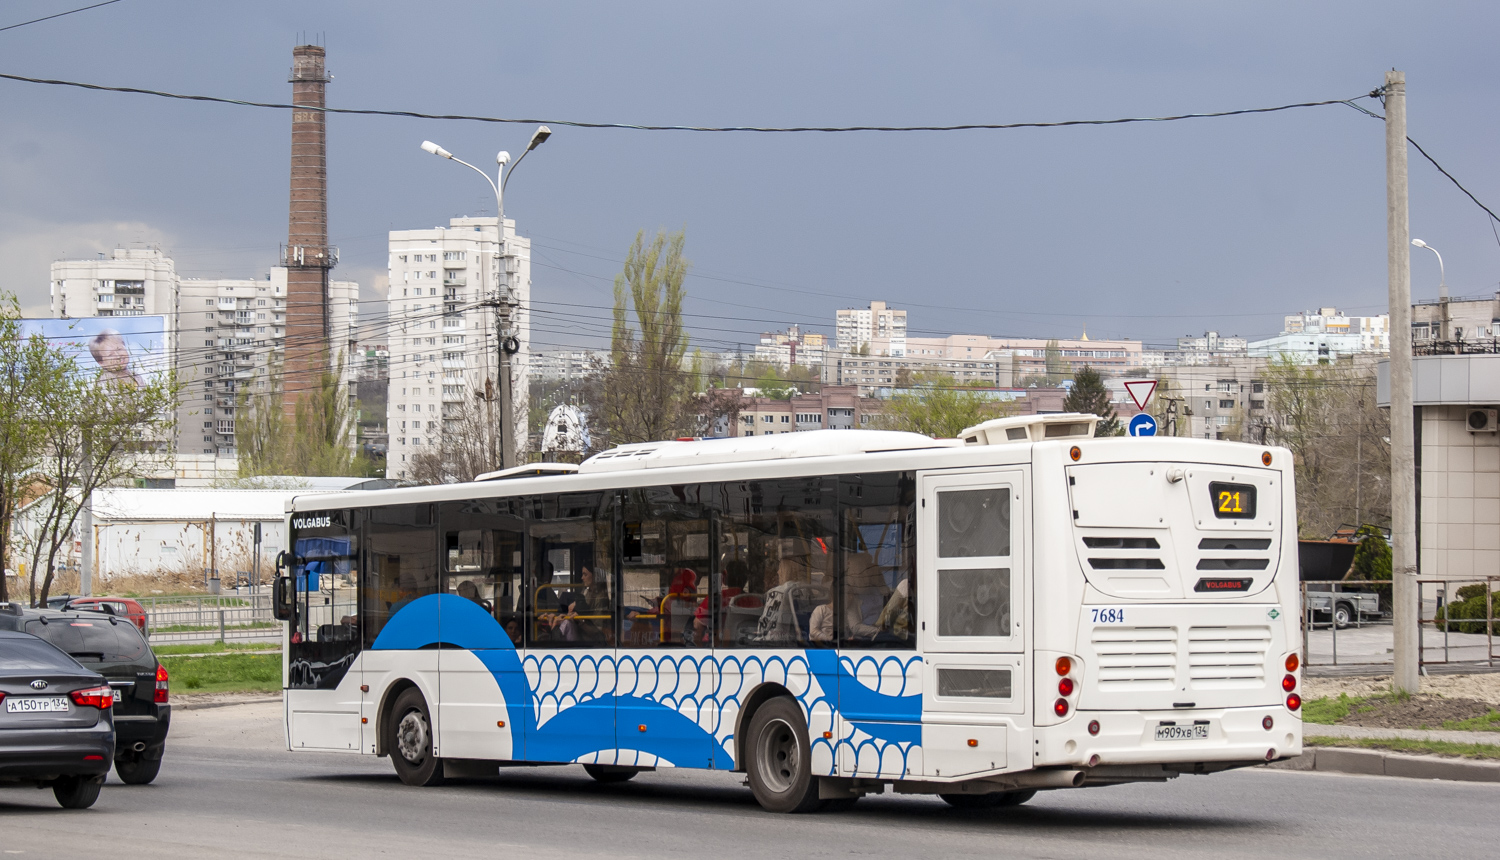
(1482, 420)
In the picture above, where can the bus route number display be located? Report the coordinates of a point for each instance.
(1232, 501)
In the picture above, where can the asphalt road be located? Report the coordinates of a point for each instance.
(228, 790)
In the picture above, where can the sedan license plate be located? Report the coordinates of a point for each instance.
(1174, 732)
(35, 704)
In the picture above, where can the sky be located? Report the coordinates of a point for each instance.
(1147, 231)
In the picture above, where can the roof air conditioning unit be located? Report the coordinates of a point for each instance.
(1482, 420)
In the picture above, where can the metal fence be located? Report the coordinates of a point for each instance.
(211, 618)
(1367, 642)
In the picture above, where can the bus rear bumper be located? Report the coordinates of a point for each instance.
(1171, 737)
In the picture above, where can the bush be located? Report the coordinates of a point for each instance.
(1470, 603)
(1372, 558)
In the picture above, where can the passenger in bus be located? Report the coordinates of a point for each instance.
(789, 604)
(895, 618)
(513, 630)
(820, 624)
(677, 607)
(732, 585)
(469, 591)
(864, 596)
(573, 622)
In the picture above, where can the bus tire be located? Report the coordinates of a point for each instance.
(409, 739)
(988, 801)
(608, 774)
(780, 759)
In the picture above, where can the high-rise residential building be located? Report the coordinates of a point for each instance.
(1364, 334)
(442, 336)
(793, 346)
(858, 327)
(222, 335)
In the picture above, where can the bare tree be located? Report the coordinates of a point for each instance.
(469, 445)
(1326, 415)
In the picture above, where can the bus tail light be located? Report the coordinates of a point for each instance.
(1064, 665)
(1292, 662)
(1289, 683)
(1267, 723)
(1293, 702)
(1060, 707)
(1093, 727)
(1065, 687)
(160, 696)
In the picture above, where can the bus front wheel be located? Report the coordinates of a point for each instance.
(780, 760)
(409, 739)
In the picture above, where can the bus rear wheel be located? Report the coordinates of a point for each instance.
(988, 801)
(409, 740)
(780, 760)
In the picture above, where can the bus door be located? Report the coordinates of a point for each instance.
(323, 695)
(483, 689)
(972, 560)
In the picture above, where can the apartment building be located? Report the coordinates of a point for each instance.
(792, 347)
(879, 375)
(1465, 320)
(857, 327)
(442, 333)
(836, 407)
(222, 335)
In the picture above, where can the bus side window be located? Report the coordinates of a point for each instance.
(569, 584)
(666, 559)
(400, 563)
(879, 577)
(482, 541)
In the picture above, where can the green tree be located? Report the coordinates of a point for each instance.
(96, 433)
(30, 370)
(1057, 367)
(1372, 558)
(935, 406)
(316, 441)
(1090, 396)
(644, 394)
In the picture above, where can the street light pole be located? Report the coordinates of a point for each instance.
(504, 301)
(1442, 291)
(1406, 596)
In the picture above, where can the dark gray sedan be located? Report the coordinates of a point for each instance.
(56, 728)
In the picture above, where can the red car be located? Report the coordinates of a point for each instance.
(121, 606)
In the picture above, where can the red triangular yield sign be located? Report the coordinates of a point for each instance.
(1140, 390)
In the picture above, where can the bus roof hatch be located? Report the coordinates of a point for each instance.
(1031, 428)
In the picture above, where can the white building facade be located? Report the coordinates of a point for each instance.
(855, 327)
(442, 336)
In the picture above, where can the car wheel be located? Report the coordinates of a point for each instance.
(409, 741)
(780, 760)
(607, 774)
(77, 792)
(1343, 615)
(138, 770)
(987, 801)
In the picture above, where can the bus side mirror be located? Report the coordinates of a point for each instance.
(284, 599)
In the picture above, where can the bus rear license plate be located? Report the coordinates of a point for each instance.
(1170, 732)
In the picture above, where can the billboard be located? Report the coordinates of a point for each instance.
(121, 349)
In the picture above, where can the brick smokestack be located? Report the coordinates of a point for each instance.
(307, 255)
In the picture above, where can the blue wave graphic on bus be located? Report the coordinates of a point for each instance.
(875, 719)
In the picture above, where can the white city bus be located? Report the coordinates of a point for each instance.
(835, 613)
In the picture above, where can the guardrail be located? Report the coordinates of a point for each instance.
(1443, 620)
(211, 618)
(1444, 638)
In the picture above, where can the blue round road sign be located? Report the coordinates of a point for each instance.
(1143, 425)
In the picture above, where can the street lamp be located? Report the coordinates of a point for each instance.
(1442, 289)
(504, 301)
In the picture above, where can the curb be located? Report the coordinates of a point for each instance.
(198, 706)
(1378, 763)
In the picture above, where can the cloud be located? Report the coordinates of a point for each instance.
(30, 246)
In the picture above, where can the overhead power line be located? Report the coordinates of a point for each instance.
(58, 15)
(699, 128)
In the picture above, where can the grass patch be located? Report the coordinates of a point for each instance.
(227, 673)
(1443, 748)
(1488, 723)
(1328, 710)
(214, 648)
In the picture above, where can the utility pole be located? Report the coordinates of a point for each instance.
(86, 521)
(1406, 598)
